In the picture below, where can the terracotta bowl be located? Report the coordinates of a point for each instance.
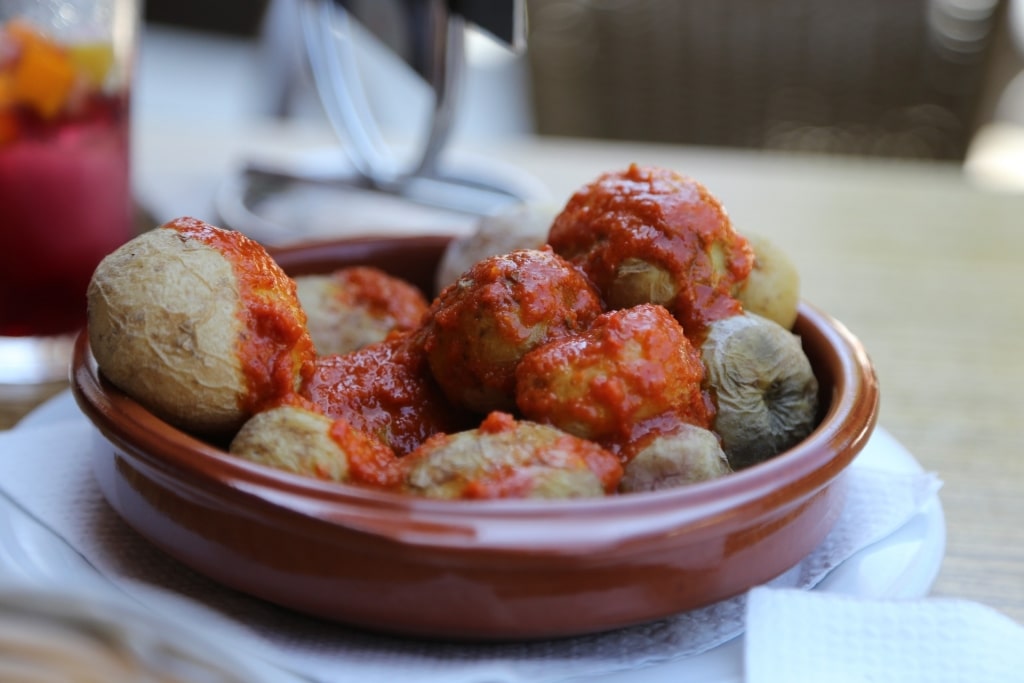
(479, 570)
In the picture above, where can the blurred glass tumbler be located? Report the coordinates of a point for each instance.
(65, 182)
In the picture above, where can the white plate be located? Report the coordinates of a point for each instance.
(904, 565)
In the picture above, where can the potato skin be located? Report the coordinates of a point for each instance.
(772, 290)
(292, 439)
(524, 226)
(303, 441)
(765, 391)
(684, 454)
(198, 324)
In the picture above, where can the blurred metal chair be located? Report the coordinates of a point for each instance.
(895, 78)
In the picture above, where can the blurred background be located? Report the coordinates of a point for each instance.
(912, 79)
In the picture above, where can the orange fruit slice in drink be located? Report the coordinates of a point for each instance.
(43, 78)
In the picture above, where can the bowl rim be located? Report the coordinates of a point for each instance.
(535, 526)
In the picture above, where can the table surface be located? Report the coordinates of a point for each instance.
(922, 265)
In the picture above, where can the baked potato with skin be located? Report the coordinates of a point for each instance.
(684, 454)
(632, 365)
(509, 458)
(303, 441)
(772, 290)
(765, 391)
(500, 309)
(353, 307)
(198, 324)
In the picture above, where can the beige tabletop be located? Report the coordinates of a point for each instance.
(925, 267)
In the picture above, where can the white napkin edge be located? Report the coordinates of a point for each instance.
(908, 640)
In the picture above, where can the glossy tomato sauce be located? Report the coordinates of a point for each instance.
(386, 390)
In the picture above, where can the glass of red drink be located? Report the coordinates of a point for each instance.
(65, 185)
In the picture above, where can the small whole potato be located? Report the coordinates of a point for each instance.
(509, 458)
(303, 441)
(765, 391)
(197, 324)
(772, 290)
(353, 307)
(684, 455)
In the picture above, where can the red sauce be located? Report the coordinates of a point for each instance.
(274, 346)
(507, 482)
(370, 462)
(497, 422)
(386, 390)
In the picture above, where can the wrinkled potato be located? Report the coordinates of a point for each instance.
(501, 308)
(353, 307)
(508, 458)
(198, 324)
(684, 455)
(523, 226)
(763, 386)
(650, 235)
(772, 290)
(303, 441)
(632, 365)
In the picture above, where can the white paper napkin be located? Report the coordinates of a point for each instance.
(46, 471)
(806, 637)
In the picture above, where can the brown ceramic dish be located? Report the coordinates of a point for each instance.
(487, 570)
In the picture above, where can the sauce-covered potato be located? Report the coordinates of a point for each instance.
(303, 441)
(509, 458)
(650, 235)
(353, 307)
(607, 383)
(504, 306)
(198, 324)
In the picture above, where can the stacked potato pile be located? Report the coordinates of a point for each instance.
(632, 341)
